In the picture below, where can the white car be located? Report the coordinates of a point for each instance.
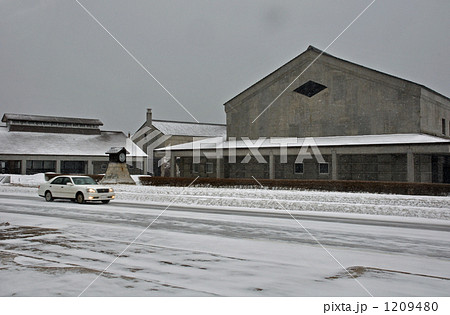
(76, 188)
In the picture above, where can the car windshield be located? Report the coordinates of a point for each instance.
(84, 181)
(57, 181)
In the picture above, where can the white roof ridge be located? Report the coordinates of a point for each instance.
(188, 122)
(189, 129)
(331, 141)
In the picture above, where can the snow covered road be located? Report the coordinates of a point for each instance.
(59, 248)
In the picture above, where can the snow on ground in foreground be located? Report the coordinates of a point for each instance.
(293, 200)
(59, 248)
(209, 255)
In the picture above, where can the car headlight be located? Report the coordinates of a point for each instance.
(91, 190)
(111, 190)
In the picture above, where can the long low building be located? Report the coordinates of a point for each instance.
(392, 157)
(357, 124)
(161, 133)
(31, 144)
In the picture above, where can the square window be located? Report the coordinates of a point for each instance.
(194, 168)
(209, 168)
(298, 168)
(310, 88)
(323, 168)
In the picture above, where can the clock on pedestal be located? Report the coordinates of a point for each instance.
(117, 154)
(117, 172)
(122, 157)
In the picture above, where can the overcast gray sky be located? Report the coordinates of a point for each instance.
(55, 60)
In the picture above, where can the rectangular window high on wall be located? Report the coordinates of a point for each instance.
(298, 168)
(323, 168)
(209, 168)
(443, 126)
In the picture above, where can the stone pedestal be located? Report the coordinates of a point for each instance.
(117, 173)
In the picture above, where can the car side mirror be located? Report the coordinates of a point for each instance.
(69, 184)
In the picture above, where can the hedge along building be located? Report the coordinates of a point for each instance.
(32, 144)
(367, 125)
(155, 134)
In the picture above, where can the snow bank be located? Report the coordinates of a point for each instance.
(24, 180)
(292, 200)
(429, 207)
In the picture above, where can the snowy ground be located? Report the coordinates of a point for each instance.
(265, 199)
(226, 242)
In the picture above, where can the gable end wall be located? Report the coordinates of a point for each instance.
(434, 108)
(357, 101)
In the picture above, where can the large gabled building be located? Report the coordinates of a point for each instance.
(329, 96)
(31, 144)
(367, 125)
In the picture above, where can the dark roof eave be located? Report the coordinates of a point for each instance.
(23, 117)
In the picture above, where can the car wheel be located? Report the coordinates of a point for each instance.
(80, 198)
(48, 196)
(105, 201)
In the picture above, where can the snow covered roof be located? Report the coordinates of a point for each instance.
(177, 128)
(114, 150)
(36, 143)
(54, 119)
(386, 139)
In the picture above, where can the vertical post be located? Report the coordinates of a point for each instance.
(271, 165)
(149, 162)
(23, 167)
(144, 165)
(90, 167)
(172, 165)
(219, 167)
(410, 166)
(58, 167)
(334, 172)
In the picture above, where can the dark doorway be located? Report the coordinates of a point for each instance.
(434, 169)
(440, 169)
(446, 170)
(156, 169)
(447, 174)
